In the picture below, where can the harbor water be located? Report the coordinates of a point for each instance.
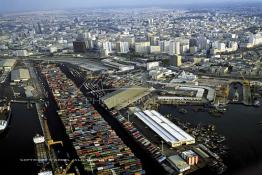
(16, 143)
(240, 125)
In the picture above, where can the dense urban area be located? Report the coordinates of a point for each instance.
(131, 91)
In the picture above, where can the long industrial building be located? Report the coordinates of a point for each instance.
(123, 97)
(168, 131)
(116, 65)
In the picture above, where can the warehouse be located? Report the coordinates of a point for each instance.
(125, 96)
(118, 66)
(7, 64)
(179, 164)
(20, 75)
(168, 131)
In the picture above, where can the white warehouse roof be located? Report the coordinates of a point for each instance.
(167, 130)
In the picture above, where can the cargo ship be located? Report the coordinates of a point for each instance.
(40, 149)
(5, 115)
(236, 96)
(95, 142)
(257, 103)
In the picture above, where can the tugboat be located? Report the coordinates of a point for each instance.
(236, 96)
(217, 167)
(220, 107)
(182, 111)
(215, 112)
(221, 139)
(257, 103)
(5, 115)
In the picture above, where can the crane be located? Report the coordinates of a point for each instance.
(50, 141)
(64, 172)
(246, 82)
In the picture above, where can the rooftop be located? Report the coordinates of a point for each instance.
(178, 162)
(20, 74)
(125, 96)
(167, 130)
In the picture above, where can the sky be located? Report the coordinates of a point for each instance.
(31, 5)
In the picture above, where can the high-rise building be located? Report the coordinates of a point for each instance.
(177, 48)
(142, 47)
(153, 40)
(184, 48)
(222, 47)
(79, 46)
(164, 46)
(122, 47)
(38, 28)
(107, 46)
(175, 60)
(193, 42)
(151, 21)
(174, 47)
(155, 49)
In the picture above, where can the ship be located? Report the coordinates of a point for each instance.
(236, 96)
(5, 115)
(257, 103)
(221, 108)
(40, 149)
(182, 111)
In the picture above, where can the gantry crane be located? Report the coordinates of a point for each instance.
(50, 141)
(64, 172)
(245, 81)
(225, 90)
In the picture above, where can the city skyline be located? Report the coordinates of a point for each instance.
(131, 87)
(31, 5)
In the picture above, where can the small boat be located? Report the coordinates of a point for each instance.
(236, 96)
(221, 139)
(182, 111)
(215, 112)
(257, 103)
(220, 107)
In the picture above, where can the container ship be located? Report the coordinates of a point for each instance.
(5, 115)
(40, 149)
(97, 145)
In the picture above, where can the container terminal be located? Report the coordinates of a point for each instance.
(96, 114)
(99, 148)
(155, 149)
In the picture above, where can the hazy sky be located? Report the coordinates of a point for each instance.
(24, 5)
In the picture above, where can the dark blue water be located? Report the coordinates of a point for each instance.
(244, 136)
(17, 142)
